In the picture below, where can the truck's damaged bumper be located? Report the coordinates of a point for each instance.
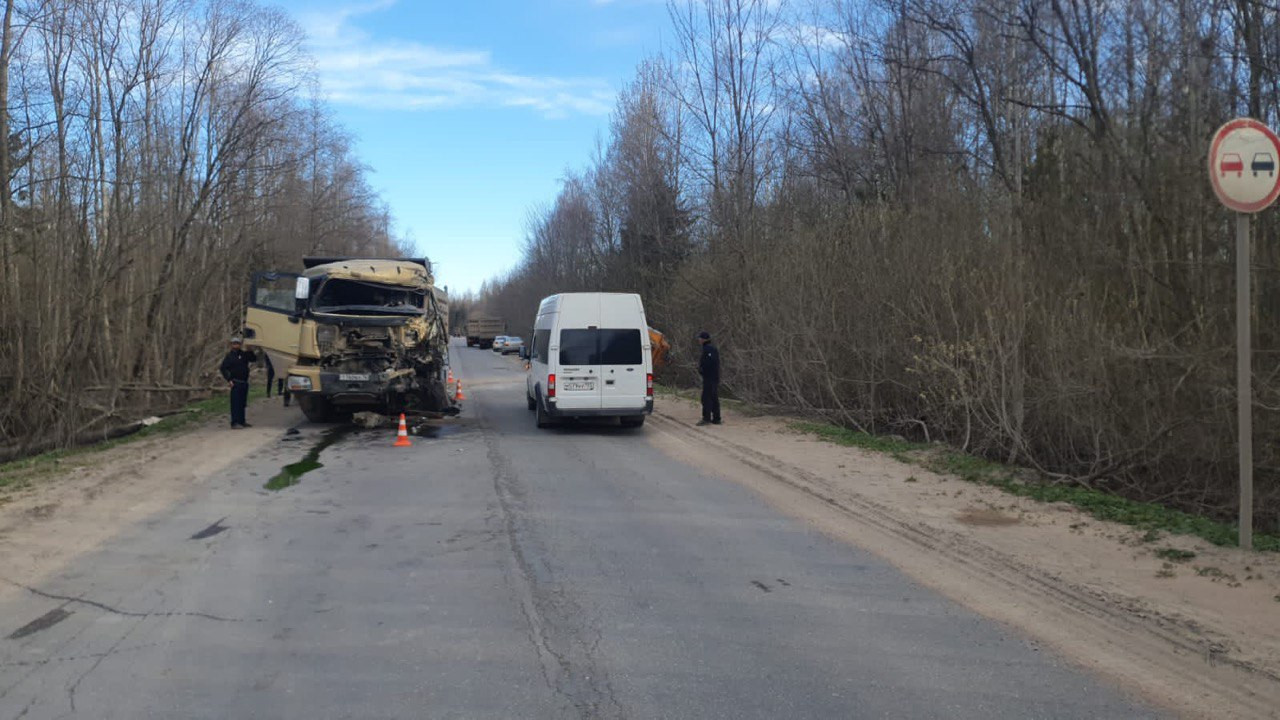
(365, 388)
(339, 388)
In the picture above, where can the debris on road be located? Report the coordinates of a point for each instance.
(371, 420)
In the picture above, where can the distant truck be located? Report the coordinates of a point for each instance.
(482, 330)
(354, 334)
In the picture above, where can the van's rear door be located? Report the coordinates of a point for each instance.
(578, 385)
(622, 368)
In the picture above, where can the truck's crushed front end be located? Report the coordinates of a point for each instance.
(373, 337)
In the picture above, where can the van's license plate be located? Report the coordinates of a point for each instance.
(579, 385)
(354, 377)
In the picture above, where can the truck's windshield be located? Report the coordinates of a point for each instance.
(361, 298)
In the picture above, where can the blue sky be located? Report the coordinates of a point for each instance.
(469, 113)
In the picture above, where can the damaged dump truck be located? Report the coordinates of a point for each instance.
(354, 334)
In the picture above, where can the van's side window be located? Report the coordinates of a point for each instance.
(541, 346)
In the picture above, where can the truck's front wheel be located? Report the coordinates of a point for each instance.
(436, 396)
(316, 408)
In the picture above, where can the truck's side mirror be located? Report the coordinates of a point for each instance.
(301, 291)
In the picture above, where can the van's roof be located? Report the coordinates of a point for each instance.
(554, 303)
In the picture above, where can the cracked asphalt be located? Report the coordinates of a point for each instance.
(497, 571)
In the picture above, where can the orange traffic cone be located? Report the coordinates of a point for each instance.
(402, 435)
(458, 396)
(450, 376)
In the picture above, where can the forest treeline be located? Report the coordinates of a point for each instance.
(153, 154)
(984, 222)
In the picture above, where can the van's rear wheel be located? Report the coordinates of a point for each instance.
(632, 421)
(533, 404)
(543, 419)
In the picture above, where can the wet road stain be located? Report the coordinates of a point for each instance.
(292, 473)
(210, 531)
(762, 586)
(440, 428)
(45, 621)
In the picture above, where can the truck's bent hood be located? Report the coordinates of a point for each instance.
(386, 272)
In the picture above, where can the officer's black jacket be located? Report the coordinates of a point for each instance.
(709, 363)
(235, 366)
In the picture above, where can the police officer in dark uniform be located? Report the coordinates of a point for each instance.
(235, 370)
(709, 368)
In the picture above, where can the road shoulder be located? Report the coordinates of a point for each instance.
(92, 496)
(1202, 641)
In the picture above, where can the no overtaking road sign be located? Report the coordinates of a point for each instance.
(1242, 168)
(1242, 165)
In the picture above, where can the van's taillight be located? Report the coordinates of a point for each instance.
(551, 385)
(648, 384)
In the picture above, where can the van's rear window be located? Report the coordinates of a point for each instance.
(601, 347)
(578, 347)
(620, 347)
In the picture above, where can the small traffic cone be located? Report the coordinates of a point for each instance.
(458, 396)
(402, 435)
(450, 376)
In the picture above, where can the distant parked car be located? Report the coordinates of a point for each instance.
(498, 343)
(512, 345)
(1231, 162)
(1263, 162)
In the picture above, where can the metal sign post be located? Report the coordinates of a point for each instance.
(1244, 379)
(1242, 168)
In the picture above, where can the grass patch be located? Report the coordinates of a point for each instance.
(1175, 554)
(694, 395)
(1149, 517)
(19, 474)
(899, 449)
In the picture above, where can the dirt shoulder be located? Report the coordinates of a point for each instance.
(89, 497)
(1200, 636)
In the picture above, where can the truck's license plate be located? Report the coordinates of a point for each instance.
(580, 386)
(354, 377)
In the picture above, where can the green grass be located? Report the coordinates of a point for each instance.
(695, 395)
(899, 449)
(19, 474)
(1175, 554)
(1149, 517)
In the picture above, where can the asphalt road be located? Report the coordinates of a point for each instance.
(497, 571)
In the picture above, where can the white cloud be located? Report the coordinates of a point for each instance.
(819, 37)
(356, 68)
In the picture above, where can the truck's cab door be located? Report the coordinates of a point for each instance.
(273, 321)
